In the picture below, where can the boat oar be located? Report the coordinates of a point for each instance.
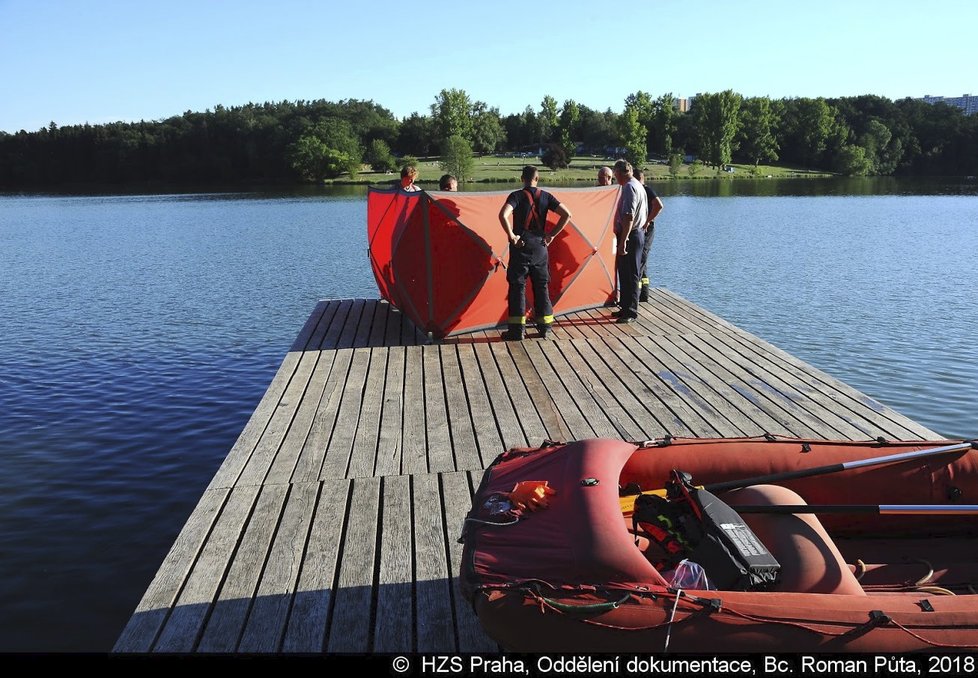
(835, 468)
(880, 510)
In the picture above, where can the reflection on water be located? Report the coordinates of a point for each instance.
(139, 333)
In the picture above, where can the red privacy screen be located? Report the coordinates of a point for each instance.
(441, 257)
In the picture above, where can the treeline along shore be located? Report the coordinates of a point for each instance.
(313, 141)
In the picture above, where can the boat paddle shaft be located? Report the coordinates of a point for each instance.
(835, 468)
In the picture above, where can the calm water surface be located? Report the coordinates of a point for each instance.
(140, 332)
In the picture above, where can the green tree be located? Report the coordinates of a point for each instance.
(487, 128)
(664, 124)
(675, 164)
(717, 122)
(456, 157)
(758, 142)
(379, 156)
(417, 135)
(809, 125)
(452, 114)
(633, 136)
(522, 129)
(549, 119)
(642, 103)
(555, 157)
(852, 161)
(882, 150)
(570, 115)
(327, 150)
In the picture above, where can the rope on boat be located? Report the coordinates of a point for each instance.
(877, 619)
(930, 572)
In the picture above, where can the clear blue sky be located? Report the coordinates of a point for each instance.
(96, 61)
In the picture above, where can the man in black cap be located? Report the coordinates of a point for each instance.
(524, 218)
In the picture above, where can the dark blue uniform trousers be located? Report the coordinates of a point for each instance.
(529, 260)
(628, 273)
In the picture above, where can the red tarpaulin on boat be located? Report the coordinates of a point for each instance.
(441, 257)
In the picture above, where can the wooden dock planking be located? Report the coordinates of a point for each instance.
(332, 524)
(394, 624)
(141, 631)
(312, 606)
(350, 626)
(843, 396)
(230, 610)
(185, 624)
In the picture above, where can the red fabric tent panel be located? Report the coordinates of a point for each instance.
(440, 257)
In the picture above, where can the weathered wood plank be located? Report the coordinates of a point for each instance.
(394, 624)
(433, 607)
(457, 496)
(508, 422)
(459, 416)
(270, 442)
(186, 622)
(848, 398)
(284, 464)
(230, 611)
(415, 437)
(340, 321)
(539, 395)
(389, 441)
(393, 330)
(363, 458)
(269, 613)
(481, 408)
(312, 606)
(303, 339)
(577, 407)
(708, 394)
(642, 375)
(314, 446)
(337, 460)
(153, 609)
(771, 392)
(358, 316)
(371, 333)
(440, 457)
(243, 447)
(316, 340)
(615, 402)
(533, 426)
(351, 623)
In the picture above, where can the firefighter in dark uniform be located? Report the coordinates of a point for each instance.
(655, 206)
(524, 217)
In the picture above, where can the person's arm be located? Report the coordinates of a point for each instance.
(655, 206)
(629, 200)
(565, 216)
(506, 219)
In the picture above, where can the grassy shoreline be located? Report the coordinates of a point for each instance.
(495, 169)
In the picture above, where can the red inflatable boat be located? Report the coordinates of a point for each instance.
(876, 548)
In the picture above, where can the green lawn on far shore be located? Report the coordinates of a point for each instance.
(506, 169)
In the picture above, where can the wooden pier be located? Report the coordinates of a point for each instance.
(332, 524)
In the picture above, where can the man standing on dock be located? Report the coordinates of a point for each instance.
(655, 206)
(524, 218)
(630, 218)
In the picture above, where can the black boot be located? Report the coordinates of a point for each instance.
(544, 329)
(514, 333)
(644, 294)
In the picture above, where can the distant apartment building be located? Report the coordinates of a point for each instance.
(966, 102)
(682, 105)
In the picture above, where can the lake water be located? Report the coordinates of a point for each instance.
(139, 333)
